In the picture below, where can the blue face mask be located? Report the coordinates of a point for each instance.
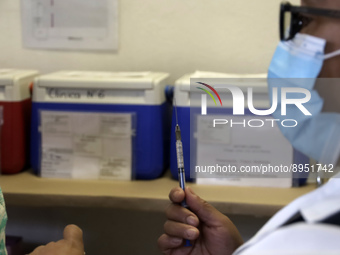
(297, 63)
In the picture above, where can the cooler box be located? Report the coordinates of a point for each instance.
(139, 93)
(182, 95)
(15, 101)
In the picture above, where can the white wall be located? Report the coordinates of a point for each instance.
(175, 36)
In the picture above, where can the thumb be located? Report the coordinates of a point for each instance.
(74, 234)
(204, 211)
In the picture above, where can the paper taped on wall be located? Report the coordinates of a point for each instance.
(70, 24)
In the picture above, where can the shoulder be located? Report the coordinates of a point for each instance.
(299, 238)
(310, 235)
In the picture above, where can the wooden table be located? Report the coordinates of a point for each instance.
(27, 190)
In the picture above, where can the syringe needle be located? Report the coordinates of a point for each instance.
(176, 111)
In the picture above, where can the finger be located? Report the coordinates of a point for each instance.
(177, 195)
(38, 250)
(74, 234)
(178, 213)
(166, 242)
(180, 230)
(51, 244)
(204, 211)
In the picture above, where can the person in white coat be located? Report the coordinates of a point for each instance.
(310, 224)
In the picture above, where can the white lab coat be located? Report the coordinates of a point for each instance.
(309, 237)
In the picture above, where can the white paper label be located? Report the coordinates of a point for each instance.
(207, 133)
(242, 146)
(56, 162)
(86, 145)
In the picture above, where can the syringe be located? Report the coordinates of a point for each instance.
(180, 163)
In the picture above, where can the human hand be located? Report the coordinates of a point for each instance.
(209, 231)
(72, 244)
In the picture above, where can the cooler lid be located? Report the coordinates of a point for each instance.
(256, 81)
(8, 77)
(116, 80)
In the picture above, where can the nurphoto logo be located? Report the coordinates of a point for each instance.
(239, 104)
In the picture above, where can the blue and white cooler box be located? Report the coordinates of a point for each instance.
(99, 125)
(204, 145)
